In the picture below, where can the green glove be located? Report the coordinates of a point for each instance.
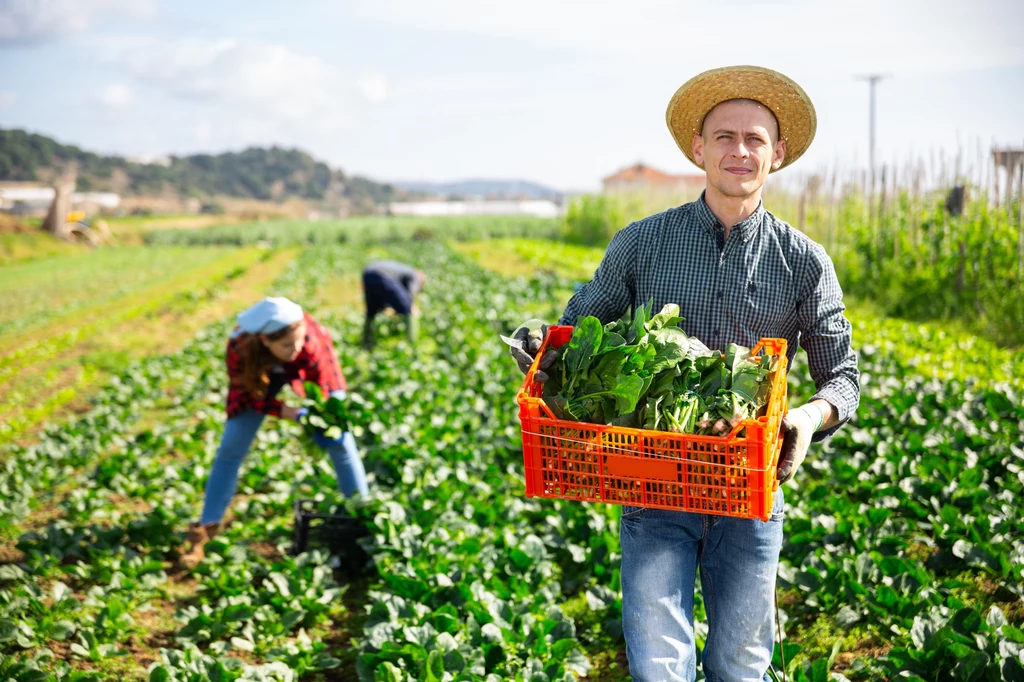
(412, 328)
(368, 340)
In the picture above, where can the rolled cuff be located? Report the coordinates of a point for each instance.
(843, 403)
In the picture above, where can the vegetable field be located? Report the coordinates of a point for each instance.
(71, 322)
(903, 558)
(360, 230)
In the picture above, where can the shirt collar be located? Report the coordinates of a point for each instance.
(745, 228)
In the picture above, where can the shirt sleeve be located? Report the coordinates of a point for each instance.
(413, 284)
(239, 399)
(826, 335)
(612, 290)
(322, 366)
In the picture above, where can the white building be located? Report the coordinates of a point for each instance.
(535, 207)
(38, 197)
(107, 200)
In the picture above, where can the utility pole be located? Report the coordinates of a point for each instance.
(872, 80)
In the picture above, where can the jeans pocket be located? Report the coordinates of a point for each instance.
(630, 513)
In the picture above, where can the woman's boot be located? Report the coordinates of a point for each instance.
(198, 535)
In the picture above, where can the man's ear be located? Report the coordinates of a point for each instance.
(698, 149)
(780, 154)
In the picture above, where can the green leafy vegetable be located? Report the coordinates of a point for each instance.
(330, 418)
(643, 370)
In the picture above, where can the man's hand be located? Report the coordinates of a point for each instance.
(798, 426)
(529, 343)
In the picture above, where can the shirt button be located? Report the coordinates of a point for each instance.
(717, 332)
(719, 294)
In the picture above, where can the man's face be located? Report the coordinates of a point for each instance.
(738, 147)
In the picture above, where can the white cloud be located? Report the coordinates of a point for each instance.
(117, 96)
(192, 95)
(908, 36)
(267, 81)
(448, 86)
(40, 20)
(202, 132)
(374, 87)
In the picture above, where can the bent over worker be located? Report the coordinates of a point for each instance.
(274, 344)
(390, 285)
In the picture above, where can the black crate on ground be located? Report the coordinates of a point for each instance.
(341, 535)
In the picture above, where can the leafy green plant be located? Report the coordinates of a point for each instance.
(642, 370)
(329, 417)
(29, 616)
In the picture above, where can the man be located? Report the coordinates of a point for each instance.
(738, 274)
(390, 285)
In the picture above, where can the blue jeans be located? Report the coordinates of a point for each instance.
(234, 446)
(737, 558)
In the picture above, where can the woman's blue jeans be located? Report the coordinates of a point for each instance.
(239, 432)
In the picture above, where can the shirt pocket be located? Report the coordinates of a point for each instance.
(764, 305)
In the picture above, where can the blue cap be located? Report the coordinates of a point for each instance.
(270, 315)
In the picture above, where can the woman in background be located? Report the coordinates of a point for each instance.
(275, 343)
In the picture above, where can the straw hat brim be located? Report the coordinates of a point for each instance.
(787, 100)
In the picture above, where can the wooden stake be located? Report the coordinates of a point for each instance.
(1020, 224)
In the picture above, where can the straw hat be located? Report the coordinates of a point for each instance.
(787, 100)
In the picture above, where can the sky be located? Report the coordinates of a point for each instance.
(561, 92)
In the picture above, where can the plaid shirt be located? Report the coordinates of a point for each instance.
(316, 362)
(767, 280)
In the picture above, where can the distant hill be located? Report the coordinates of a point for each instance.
(271, 173)
(497, 189)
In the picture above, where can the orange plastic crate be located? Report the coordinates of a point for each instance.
(729, 475)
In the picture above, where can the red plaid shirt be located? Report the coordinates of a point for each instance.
(316, 362)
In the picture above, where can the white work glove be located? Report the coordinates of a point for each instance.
(798, 427)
